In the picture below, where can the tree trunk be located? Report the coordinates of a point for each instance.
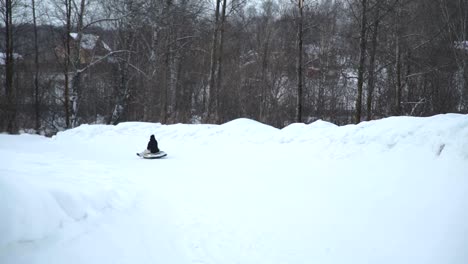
(36, 71)
(362, 58)
(169, 65)
(398, 77)
(76, 80)
(67, 63)
(299, 62)
(264, 98)
(371, 80)
(9, 71)
(210, 95)
(219, 65)
(167, 81)
(409, 85)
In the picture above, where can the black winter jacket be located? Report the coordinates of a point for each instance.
(153, 145)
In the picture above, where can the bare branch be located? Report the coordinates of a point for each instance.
(102, 20)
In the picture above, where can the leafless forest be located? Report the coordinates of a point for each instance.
(69, 62)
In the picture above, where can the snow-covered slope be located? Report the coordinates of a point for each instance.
(387, 191)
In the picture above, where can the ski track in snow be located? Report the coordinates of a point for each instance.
(387, 191)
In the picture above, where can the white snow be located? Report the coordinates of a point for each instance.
(3, 57)
(387, 191)
(462, 45)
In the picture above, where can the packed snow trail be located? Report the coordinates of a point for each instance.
(387, 191)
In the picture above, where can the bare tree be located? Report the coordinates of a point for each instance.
(10, 93)
(264, 44)
(373, 51)
(127, 11)
(219, 64)
(36, 70)
(211, 93)
(76, 61)
(300, 51)
(362, 58)
(67, 63)
(398, 83)
(455, 15)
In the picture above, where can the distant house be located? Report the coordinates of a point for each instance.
(92, 48)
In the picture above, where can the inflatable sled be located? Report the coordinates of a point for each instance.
(156, 155)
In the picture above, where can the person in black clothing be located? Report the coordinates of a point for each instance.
(151, 148)
(153, 145)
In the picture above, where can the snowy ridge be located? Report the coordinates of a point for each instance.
(387, 191)
(438, 134)
(47, 191)
(31, 213)
(33, 208)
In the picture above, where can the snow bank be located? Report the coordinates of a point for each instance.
(439, 135)
(443, 136)
(43, 189)
(240, 131)
(26, 212)
(31, 212)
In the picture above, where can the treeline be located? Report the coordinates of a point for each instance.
(69, 62)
